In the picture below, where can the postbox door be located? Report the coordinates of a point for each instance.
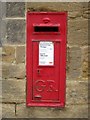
(46, 71)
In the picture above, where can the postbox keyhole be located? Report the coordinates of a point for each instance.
(38, 71)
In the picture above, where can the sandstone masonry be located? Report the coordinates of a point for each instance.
(14, 61)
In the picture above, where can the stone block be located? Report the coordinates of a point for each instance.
(13, 71)
(72, 111)
(0, 72)
(74, 74)
(8, 110)
(15, 9)
(54, 6)
(20, 54)
(85, 53)
(77, 24)
(0, 53)
(46, 6)
(75, 14)
(2, 10)
(85, 70)
(0, 111)
(3, 33)
(75, 53)
(85, 6)
(13, 91)
(78, 37)
(15, 31)
(0, 43)
(86, 14)
(8, 54)
(76, 92)
(75, 6)
(0, 21)
(85, 60)
(78, 32)
(75, 63)
(0, 91)
(0, 63)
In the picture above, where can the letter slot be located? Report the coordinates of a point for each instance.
(46, 29)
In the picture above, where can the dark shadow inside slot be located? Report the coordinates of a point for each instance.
(46, 29)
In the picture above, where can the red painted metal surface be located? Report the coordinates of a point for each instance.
(46, 84)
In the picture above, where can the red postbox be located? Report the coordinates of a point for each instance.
(46, 58)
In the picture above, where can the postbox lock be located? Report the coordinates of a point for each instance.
(38, 71)
(46, 20)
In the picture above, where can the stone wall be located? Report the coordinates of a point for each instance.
(14, 62)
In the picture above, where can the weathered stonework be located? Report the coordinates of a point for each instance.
(13, 91)
(14, 60)
(79, 37)
(13, 71)
(8, 110)
(74, 57)
(76, 92)
(15, 9)
(15, 31)
(60, 6)
(85, 59)
(20, 54)
(80, 111)
(8, 54)
(85, 53)
(0, 63)
(0, 90)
